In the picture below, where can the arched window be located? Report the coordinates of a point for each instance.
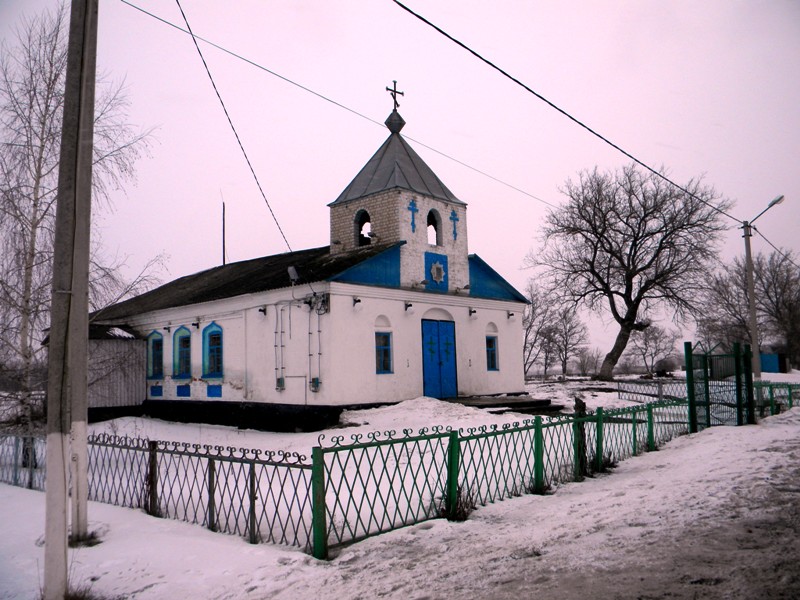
(182, 354)
(155, 356)
(434, 223)
(363, 228)
(212, 351)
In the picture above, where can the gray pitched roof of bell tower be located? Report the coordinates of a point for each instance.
(396, 165)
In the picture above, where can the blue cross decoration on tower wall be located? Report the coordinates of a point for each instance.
(412, 206)
(454, 219)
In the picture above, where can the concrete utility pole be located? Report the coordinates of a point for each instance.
(751, 300)
(747, 226)
(69, 331)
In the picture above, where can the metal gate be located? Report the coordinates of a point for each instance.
(719, 387)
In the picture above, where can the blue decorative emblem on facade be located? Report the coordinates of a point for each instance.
(436, 272)
(454, 219)
(412, 207)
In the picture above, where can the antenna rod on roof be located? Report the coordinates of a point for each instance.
(223, 227)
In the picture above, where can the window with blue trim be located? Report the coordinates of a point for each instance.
(492, 363)
(212, 351)
(182, 354)
(155, 356)
(383, 352)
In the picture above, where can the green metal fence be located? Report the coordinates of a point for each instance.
(372, 484)
(773, 398)
(719, 390)
(652, 390)
(22, 460)
(379, 483)
(262, 496)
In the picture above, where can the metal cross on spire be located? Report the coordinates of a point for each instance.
(393, 91)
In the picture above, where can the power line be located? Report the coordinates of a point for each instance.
(235, 133)
(782, 254)
(252, 63)
(334, 102)
(565, 113)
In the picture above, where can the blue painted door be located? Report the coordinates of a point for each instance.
(439, 359)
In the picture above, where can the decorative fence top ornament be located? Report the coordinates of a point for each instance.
(201, 450)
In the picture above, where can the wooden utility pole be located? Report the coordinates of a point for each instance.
(69, 328)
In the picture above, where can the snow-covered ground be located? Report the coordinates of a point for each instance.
(411, 414)
(710, 515)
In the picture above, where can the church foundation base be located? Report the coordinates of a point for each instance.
(245, 415)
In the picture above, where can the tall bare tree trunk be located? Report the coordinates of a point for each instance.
(612, 358)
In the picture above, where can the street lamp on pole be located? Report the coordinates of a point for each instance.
(751, 296)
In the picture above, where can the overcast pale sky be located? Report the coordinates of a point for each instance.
(703, 88)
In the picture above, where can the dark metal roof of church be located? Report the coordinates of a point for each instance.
(244, 277)
(396, 165)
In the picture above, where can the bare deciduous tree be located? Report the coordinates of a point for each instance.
(568, 334)
(724, 313)
(549, 353)
(653, 344)
(535, 320)
(32, 74)
(588, 360)
(628, 241)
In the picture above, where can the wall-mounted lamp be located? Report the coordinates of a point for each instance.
(510, 315)
(462, 289)
(409, 306)
(263, 310)
(168, 328)
(356, 300)
(472, 311)
(293, 276)
(196, 324)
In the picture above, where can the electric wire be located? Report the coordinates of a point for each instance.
(334, 102)
(235, 133)
(785, 255)
(565, 113)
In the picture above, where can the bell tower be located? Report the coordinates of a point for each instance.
(396, 197)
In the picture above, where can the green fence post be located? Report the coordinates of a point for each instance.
(152, 479)
(738, 376)
(772, 408)
(538, 456)
(598, 453)
(633, 418)
(212, 484)
(651, 433)
(748, 383)
(687, 351)
(251, 527)
(579, 448)
(706, 388)
(318, 516)
(453, 460)
(789, 394)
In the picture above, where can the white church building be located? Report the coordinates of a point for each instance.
(394, 308)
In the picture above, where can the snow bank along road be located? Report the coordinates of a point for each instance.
(710, 515)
